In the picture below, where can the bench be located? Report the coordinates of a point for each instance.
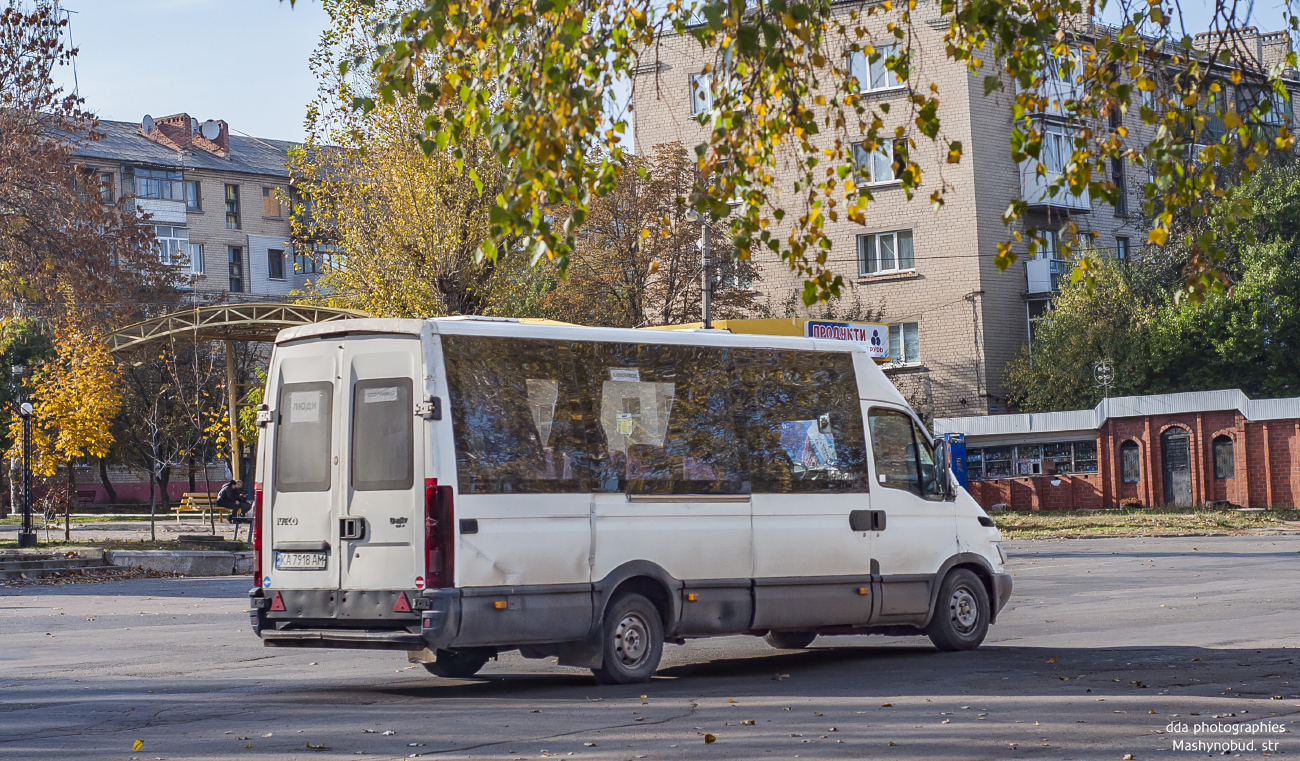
(203, 503)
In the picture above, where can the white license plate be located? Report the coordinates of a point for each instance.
(300, 561)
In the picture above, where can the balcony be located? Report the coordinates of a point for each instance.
(1034, 189)
(1044, 275)
(163, 211)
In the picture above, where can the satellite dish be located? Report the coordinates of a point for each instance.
(211, 130)
(146, 124)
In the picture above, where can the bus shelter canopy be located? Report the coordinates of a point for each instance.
(225, 322)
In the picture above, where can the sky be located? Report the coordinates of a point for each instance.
(244, 61)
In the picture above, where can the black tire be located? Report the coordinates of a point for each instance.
(789, 640)
(454, 664)
(632, 641)
(961, 612)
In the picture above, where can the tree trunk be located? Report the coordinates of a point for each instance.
(108, 485)
(153, 504)
(164, 478)
(191, 467)
(72, 497)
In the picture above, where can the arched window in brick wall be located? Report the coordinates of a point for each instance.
(1130, 461)
(1224, 459)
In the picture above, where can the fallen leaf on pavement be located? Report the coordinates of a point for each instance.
(137, 745)
(708, 739)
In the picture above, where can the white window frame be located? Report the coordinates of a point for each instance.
(873, 76)
(1058, 146)
(196, 258)
(171, 246)
(871, 247)
(904, 334)
(1123, 247)
(701, 93)
(876, 162)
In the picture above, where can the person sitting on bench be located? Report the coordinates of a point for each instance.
(233, 499)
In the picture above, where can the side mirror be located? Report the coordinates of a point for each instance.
(941, 467)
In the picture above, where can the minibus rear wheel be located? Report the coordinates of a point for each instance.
(632, 641)
(789, 640)
(457, 664)
(961, 614)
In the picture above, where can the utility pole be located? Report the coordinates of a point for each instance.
(706, 269)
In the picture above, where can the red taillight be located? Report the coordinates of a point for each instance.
(257, 533)
(439, 536)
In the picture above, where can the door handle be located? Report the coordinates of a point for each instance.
(353, 529)
(867, 520)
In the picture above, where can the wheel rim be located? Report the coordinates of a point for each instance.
(632, 640)
(965, 612)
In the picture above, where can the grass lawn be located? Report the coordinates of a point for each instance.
(1061, 524)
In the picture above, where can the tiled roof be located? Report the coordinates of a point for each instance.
(123, 142)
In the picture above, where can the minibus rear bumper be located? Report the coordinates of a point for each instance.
(1001, 592)
(329, 618)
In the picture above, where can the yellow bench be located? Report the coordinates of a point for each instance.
(203, 503)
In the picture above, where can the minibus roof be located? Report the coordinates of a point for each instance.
(872, 383)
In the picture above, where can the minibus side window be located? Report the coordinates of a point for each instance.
(382, 435)
(303, 437)
(894, 449)
(802, 421)
(930, 487)
(515, 418)
(663, 418)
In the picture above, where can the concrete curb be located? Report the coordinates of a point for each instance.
(185, 562)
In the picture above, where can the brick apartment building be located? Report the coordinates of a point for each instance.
(1195, 448)
(213, 198)
(955, 319)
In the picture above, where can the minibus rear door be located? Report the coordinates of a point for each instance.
(381, 525)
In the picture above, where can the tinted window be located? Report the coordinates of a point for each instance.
(802, 421)
(1224, 464)
(663, 419)
(382, 435)
(515, 417)
(894, 450)
(302, 437)
(930, 486)
(1130, 462)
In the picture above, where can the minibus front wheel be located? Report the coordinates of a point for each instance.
(632, 641)
(961, 613)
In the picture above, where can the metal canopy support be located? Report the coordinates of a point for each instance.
(228, 323)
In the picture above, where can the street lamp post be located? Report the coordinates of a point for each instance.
(27, 537)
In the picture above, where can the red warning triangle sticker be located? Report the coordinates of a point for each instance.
(277, 603)
(401, 606)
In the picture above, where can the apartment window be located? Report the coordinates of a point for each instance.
(270, 203)
(232, 207)
(304, 262)
(172, 242)
(1057, 148)
(196, 258)
(905, 343)
(162, 184)
(1122, 248)
(275, 264)
(701, 93)
(1117, 176)
(106, 186)
(1050, 247)
(236, 259)
(885, 252)
(873, 75)
(1225, 465)
(193, 200)
(878, 167)
(1130, 462)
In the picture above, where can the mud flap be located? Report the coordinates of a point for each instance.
(586, 653)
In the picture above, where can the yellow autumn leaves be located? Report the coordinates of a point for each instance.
(75, 395)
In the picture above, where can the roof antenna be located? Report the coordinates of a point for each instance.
(76, 85)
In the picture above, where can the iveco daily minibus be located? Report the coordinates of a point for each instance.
(462, 487)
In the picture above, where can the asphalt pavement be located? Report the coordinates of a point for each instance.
(1108, 648)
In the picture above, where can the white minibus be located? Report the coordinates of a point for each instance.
(462, 487)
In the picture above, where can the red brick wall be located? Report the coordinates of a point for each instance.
(1266, 459)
